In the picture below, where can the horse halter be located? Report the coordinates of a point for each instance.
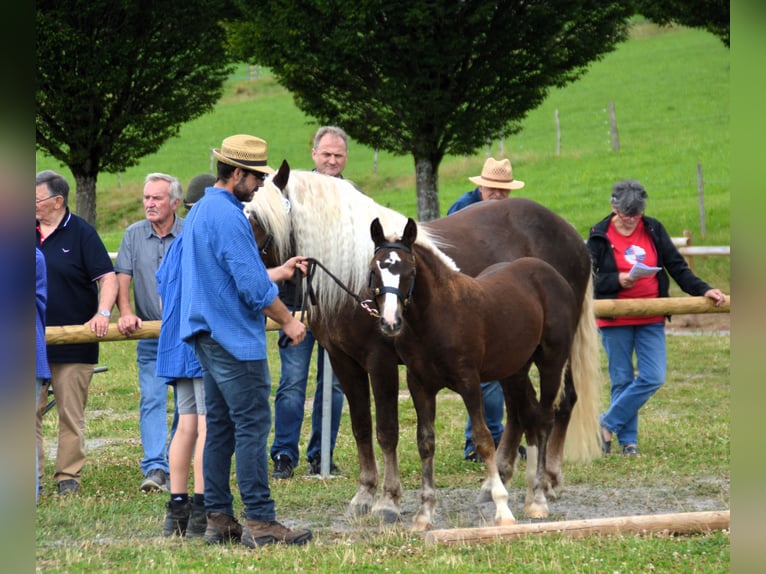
(263, 250)
(378, 291)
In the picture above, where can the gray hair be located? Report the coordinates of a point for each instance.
(629, 197)
(175, 190)
(334, 130)
(56, 183)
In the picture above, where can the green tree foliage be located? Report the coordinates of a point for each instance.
(117, 78)
(711, 15)
(427, 77)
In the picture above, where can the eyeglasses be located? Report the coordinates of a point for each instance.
(257, 174)
(626, 216)
(45, 198)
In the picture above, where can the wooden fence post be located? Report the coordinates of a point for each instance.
(613, 124)
(701, 199)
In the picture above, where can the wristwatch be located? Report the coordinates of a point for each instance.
(105, 313)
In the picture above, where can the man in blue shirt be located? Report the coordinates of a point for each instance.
(495, 182)
(225, 293)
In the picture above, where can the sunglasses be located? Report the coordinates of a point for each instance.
(257, 174)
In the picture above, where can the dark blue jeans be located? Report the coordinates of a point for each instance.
(238, 423)
(289, 403)
(494, 409)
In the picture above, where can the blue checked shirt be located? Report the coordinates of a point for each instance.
(175, 358)
(224, 283)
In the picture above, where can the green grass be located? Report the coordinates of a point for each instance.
(113, 527)
(670, 90)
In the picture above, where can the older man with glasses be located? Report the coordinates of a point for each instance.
(82, 289)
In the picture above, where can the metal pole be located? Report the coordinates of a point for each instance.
(325, 447)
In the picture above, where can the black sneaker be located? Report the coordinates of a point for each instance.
(197, 522)
(156, 480)
(177, 518)
(68, 486)
(470, 452)
(315, 466)
(283, 467)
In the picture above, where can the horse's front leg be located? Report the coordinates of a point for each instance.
(354, 382)
(493, 487)
(425, 408)
(385, 386)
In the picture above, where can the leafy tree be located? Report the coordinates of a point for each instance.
(428, 77)
(711, 15)
(117, 78)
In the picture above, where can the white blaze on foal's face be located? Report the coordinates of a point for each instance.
(389, 279)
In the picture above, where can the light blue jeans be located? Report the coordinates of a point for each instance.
(494, 409)
(631, 388)
(153, 408)
(289, 403)
(237, 397)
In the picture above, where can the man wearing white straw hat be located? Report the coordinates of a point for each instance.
(225, 292)
(495, 182)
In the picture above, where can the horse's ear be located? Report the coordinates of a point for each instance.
(376, 232)
(410, 232)
(282, 175)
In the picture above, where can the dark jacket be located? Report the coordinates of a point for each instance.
(606, 283)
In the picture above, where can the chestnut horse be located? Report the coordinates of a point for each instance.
(454, 331)
(327, 218)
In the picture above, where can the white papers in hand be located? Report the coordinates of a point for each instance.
(640, 270)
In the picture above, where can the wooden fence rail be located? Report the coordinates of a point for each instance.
(603, 308)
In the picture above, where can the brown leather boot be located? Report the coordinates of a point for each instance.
(259, 532)
(222, 528)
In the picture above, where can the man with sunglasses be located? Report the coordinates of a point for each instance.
(225, 292)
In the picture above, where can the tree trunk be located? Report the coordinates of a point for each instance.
(427, 186)
(85, 197)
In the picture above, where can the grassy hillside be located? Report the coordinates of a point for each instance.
(670, 90)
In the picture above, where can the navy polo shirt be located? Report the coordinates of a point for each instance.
(75, 258)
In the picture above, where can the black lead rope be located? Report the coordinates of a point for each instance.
(284, 340)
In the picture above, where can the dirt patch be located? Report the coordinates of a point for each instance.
(457, 507)
(704, 322)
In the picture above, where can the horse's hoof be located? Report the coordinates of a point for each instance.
(505, 522)
(387, 516)
(536, 512)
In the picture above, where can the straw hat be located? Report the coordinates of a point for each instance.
(247, 152)
(497, 174)
(196, 188)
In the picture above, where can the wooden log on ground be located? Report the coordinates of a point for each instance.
(676, 523)
(659, 306)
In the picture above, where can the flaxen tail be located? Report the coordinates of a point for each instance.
(583, 442)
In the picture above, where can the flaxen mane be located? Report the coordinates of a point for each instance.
(332, 219)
